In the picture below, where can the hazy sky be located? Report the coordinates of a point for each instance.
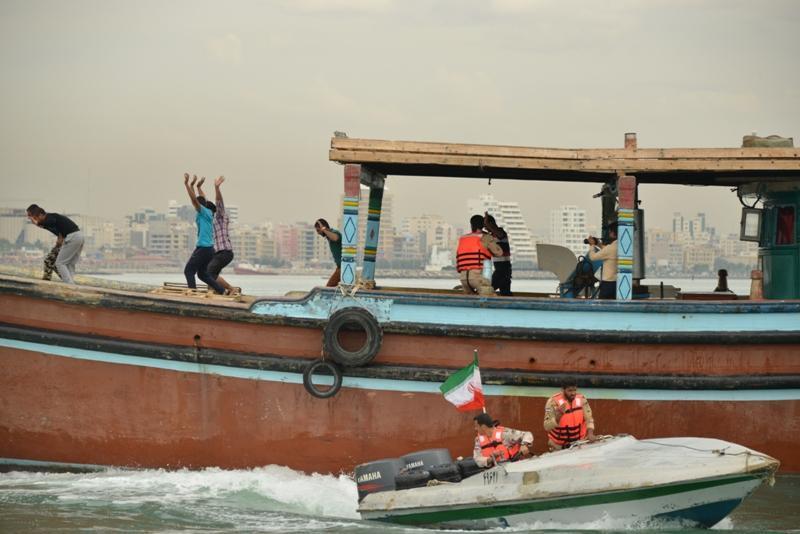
(104, 104)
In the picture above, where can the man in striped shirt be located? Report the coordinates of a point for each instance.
(223, 250)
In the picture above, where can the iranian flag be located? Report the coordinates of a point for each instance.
(464, 388)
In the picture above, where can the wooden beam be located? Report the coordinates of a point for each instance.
(592, 164)
(343, 145)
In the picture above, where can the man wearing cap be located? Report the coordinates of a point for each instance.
(496, 444)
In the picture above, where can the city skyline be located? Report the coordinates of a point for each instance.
(690, 245)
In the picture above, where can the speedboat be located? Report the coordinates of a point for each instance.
(689, 481)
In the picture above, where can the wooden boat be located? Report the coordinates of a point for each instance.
(93, 376)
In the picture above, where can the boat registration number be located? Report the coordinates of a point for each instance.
(491, 477)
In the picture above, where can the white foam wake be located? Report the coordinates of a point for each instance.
(271, 488)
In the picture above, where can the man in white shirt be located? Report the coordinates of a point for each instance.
(607, 253)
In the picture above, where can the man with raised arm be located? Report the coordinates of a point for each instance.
(223, 249)
(501, 277)
(204, 250)
(334, 238)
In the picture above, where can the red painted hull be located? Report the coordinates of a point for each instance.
(60, 409)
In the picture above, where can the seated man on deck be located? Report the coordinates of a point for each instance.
(496, 444)
(474, 249)
(567, 418)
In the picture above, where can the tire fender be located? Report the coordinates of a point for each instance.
(367, 322)
(312, 389)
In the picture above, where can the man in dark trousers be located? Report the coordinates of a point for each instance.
(223, 249)
(69, 238)
(334, 238)
(501, 277)
(204, 250)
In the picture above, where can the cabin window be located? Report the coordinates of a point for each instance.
(784, 227)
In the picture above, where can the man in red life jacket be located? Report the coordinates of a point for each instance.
(496, 444)
(473, 249)
(567, 418)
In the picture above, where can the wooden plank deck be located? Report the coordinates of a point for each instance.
(695, 166)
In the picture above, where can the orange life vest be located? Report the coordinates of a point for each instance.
(572, 426)
(471, 252)
(494, 446)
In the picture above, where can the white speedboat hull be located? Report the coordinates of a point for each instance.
(620, 482)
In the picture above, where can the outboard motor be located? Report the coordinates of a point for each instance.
(425, 465)
(426, 459)
(377, 476)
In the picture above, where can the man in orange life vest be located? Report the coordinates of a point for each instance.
(495, 444)
(473, 249)
(567, 418)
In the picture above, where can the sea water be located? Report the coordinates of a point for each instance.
(271, 499)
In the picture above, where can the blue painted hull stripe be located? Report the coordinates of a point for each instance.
(405, 386)
(556, 314)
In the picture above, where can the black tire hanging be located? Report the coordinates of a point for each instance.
(312, 389)
(364, 320)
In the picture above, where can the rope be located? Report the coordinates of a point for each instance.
(719, 452)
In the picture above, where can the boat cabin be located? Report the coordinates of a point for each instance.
(764, 174)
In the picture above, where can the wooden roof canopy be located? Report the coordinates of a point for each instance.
(687, 166)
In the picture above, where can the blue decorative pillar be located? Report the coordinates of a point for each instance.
(626, 188)
(376, 183)
(352, 191)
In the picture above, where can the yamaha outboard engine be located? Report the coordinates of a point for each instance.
(426, 459)
(377, 476)
(424, 465)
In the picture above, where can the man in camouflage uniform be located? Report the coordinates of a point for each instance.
(50, 263)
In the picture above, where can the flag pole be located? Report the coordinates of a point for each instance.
(475, 355)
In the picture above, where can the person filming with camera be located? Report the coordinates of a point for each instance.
(608, 255)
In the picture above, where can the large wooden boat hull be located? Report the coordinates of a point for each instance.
(95, 377)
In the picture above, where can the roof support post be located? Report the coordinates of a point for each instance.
(352, 192)
(626, 188)
(376, 183)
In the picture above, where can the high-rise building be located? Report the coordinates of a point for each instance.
(432, 230)
(252, 244)
(170, 239)
(692, 231)
(509, 216)
(233, 213)
(568, 228)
